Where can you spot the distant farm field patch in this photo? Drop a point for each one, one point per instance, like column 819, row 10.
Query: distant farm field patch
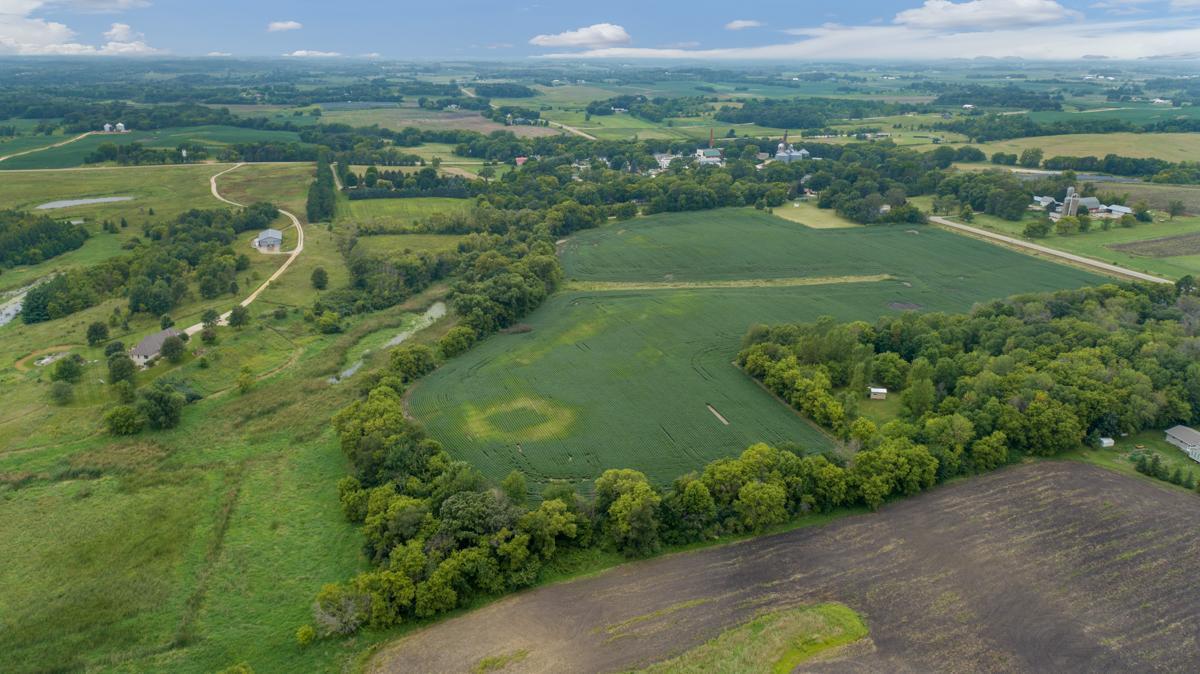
column 73, row 154
column 401, row 116
column 626, row 366
column 1168, row 146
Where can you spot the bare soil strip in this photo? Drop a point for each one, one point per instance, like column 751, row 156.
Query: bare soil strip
column 1049, row 566
column 717, row 414
column 618, row 286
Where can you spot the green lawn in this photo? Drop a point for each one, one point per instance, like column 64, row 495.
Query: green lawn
column 625, row 377
column 807, row 213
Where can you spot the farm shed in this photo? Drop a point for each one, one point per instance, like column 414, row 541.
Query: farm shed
column 1185, row 438
column 1107, row 442
column 269, row 239
column 150, row 347
column 878, row 393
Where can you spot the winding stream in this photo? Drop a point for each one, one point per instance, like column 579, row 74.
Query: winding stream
column 431, row 315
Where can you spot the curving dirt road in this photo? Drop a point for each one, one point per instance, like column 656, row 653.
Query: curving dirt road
column 194, row 329
column 46, row 147
column 1104, row 267
column 1043, row 567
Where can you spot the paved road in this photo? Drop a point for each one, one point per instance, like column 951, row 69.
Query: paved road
column 47, row 147
column 1078, row 259
column 192, row 330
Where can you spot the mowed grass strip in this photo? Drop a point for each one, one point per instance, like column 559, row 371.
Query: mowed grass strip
column 776, row 642
column 610, row 286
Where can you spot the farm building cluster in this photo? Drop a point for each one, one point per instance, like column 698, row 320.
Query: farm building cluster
column 119, row 127
column 1073, row 204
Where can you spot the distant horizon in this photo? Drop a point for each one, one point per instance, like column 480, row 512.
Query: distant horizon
column 770, row 31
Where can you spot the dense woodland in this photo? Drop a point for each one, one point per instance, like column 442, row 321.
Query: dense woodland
column 1033, row 374
column 29, row 239
column 809, row 113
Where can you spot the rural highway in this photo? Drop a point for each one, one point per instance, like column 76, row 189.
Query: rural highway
column 192, row 330
column 47, row 147
column 1071, row 257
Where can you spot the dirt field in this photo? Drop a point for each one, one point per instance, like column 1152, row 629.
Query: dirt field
column 1168, row 246
column 1061, row 567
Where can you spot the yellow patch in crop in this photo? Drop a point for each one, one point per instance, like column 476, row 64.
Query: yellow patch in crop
column 522, row 419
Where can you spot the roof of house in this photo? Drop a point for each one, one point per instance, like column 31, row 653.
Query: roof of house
column 1117, row 208
column 878, row 389
column 1090, row 202
column 710, row 152
column 152, row 344
column 1185, row 434
column 271, row 234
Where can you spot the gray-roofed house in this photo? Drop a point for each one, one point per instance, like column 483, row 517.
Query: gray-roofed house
column 149, row 348
column 1185, row 438
column 269, row 239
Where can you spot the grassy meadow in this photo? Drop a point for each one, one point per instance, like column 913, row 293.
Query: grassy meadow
column 612, row 376
column 395, row 212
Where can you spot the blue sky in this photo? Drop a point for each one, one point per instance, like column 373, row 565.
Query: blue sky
column 651, row 29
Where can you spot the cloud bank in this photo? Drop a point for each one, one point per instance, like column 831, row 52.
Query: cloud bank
column 943, row 29
column 23, row 32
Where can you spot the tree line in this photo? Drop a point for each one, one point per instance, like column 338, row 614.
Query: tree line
column 26, row 238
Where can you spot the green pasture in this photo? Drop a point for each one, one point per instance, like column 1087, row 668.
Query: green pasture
column 625, row 377
column 396, row 212
column 167, row 190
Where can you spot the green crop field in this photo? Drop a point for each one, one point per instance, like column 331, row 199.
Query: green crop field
column 72, row 154
column 1135, row 113
column 621, row 373
column 1168, row 146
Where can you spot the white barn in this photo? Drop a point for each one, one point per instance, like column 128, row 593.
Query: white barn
column 1185, row 438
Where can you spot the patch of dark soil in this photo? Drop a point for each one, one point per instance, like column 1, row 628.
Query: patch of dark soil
column 1046, row 567
column 1167, row 246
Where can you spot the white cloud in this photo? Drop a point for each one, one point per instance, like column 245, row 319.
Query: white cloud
column 983, row 14
column 596, row 35
column 218, row 53
column 312, row 53
column 742, row 24
column 280, row 26
column 371, row 55
column 122, row 32
column 1161, row 38
column 24, row 33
